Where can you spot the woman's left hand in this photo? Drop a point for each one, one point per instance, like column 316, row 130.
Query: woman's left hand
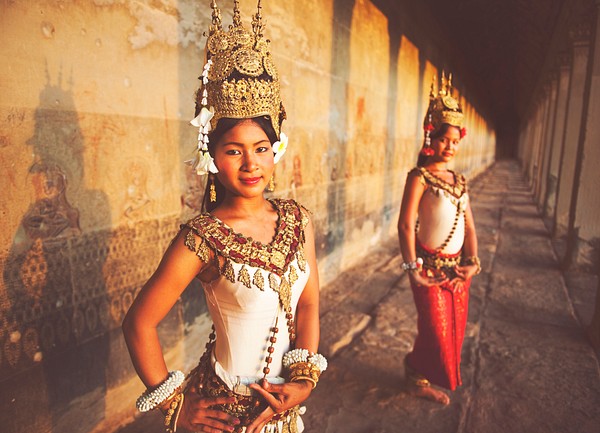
column 280, row 398
column 463, row 273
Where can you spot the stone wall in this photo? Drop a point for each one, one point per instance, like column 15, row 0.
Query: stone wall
column 95, row 99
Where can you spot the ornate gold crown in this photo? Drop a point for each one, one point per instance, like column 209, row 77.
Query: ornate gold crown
column 240, row 79
column 443, row 108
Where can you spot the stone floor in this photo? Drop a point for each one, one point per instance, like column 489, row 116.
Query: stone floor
column 527, row 366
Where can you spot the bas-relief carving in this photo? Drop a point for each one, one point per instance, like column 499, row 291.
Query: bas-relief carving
column 51, row 215
column 137, row 198
column 191, row 199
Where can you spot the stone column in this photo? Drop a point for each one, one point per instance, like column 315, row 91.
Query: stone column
column 580, row 36
column 525, row 137
column 547, row 141
column 583, row 244
column 562, row 97
column 542, row 126
column 593, row 330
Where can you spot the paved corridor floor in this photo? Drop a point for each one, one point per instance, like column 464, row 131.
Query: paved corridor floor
column 527, row 366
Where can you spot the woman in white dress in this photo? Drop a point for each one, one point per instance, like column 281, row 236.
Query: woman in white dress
column 255, row 258
column 439, row 246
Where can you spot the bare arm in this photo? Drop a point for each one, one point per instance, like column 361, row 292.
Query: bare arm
column 413, row 191
column 307, row 313
column 464, row 272
column 470, row 245
column 178, row 267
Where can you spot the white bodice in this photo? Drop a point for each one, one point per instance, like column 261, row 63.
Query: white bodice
column 243, row 319
column 442, row 212
column 437, row 213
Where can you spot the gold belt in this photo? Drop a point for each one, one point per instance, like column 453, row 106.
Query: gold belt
column 433, row 260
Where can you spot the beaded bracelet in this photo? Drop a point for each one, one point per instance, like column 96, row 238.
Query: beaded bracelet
column 472, row 260
column 303, row 355
column 151, row 399
column 415, row 265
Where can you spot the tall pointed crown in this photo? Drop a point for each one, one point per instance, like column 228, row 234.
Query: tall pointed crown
column 443, row 108
column 240, row 79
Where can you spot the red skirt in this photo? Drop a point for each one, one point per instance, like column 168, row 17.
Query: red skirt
column 442, row 318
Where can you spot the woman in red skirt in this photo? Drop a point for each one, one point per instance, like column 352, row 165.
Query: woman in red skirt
column 439, row 247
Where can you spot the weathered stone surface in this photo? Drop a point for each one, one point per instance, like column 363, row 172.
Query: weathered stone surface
column 336, row 337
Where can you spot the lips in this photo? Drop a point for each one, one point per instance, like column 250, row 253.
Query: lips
column 250, row 180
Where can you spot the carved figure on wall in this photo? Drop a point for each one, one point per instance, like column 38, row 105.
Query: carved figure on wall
column 137, row 198
column 51, row 214
column 191, row 199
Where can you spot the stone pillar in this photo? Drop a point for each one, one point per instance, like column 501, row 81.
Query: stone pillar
column 547, row 141
column 583, row 244
column 562, row 97
column 593, row 330
column 538, row 151
column 526, row 139
column 580, row 36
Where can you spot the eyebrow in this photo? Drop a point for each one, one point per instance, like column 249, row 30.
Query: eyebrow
column 235, row 143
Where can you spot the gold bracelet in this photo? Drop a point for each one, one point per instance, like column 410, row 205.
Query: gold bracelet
column 173, row 413
column 308, row 378
column 304, row 369
column 473, row 260
column 164, row 406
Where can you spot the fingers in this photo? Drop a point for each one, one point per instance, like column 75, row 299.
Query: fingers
column 260, row 421
column 457, row 285
column 198, row 415
column 436, row 281
column 465, row 272
column 208, row 402
column 264, row 392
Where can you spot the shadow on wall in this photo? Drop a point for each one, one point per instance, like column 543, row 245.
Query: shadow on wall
column 54, row 306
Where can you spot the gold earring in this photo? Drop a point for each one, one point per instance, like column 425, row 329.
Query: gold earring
column 271, row 186
column 213, row 190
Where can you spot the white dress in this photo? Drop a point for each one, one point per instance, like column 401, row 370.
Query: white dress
column 259, row 284
column 441, row 213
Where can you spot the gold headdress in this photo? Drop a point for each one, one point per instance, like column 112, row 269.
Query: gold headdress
column 239, row 79
column 443, row 108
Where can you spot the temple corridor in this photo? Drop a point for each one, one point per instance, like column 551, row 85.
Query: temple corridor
column 96, row 99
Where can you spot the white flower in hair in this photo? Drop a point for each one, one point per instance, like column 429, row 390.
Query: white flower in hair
column 279, row 147
column 212, row 167
column 202, row 163
column 202, row 120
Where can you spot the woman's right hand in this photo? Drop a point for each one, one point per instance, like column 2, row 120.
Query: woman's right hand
column 423, row 280
column 197, row 414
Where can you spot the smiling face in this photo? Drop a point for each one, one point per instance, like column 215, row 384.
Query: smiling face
column 244, row 157
column 445, row 146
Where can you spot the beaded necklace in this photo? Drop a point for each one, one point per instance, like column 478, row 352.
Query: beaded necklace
column 457, row 191
column 275, row 258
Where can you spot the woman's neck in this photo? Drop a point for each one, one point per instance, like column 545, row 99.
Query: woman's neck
column 436, row 166
column 244, row 206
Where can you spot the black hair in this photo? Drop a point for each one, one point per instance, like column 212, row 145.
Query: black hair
column 422, row 159
column 224, row 125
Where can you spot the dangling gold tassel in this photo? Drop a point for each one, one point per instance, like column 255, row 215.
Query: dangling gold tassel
column 213, row 190
column 271, row 186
